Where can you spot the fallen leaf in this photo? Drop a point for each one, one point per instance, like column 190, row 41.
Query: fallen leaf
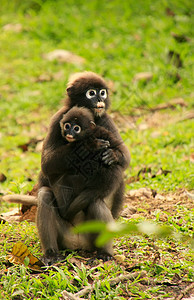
column 171, row 104
column 2, row 177
column 169, row 12
column 175, row 59
column 142, row 192
column 128, row 211
column 39, row 146
column 44, row 78
column 144, row 76
column 32, row 142
column 11, row 216
column 64, row 56
column 120, row 258
column 20, row 255
column 187, row 116
column 13, row 27
column 180, row 38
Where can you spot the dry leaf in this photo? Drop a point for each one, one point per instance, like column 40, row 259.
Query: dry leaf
column 144, row 76
column 120, row 258
column 128, row 211
column 13, row 27
column 39, row 146
column 175, row 59
column 11, row 216
column 169, row 12
column 20, row 254
column 44, row 78
column 64, row 56
column 2, row 177
column 171, row 104
column 180, row 38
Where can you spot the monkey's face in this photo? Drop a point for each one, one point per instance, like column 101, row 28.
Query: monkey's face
column 76, row 124
column 89, row 90
column 71, row 131
column 97, row 98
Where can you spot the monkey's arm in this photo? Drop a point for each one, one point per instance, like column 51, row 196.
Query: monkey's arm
column 55, row 161
column 117, row 152
column 54, row 148
column 120, row 154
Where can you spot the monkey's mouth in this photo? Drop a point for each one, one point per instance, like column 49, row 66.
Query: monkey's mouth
column 69, row 138
column 99, row 110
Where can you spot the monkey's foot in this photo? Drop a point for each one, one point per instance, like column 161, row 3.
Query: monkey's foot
column 104, row 256
column 52, row 257
column 100, row 255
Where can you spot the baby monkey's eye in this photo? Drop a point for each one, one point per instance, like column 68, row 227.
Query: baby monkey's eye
column 90, row 93
column 67, row 126
column 77, row 128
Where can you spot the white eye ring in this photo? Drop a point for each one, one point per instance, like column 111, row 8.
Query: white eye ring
column 103, row 94
column 77, row 128
column 90, row 93
column 67, row 126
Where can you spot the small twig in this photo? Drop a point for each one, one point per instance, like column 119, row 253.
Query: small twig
column 85, row 291
column 69, row 296
column 185, row 291
column 123, row 278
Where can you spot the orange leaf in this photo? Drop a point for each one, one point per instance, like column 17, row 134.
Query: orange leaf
column 20, row 254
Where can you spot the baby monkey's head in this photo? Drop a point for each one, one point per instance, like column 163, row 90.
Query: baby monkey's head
column 76, row 123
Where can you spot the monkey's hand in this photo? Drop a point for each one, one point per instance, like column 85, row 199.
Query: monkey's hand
column 102, row 144
column 110, row 156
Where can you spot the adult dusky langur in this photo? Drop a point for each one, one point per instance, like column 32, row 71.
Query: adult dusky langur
column 88, row 90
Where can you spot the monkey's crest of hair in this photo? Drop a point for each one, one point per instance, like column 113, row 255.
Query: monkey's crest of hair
column 79, row 84
column 78, row 113
column 86, row 77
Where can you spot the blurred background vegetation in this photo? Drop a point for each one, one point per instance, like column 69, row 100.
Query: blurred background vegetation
column 117, row 39
column 120, row 40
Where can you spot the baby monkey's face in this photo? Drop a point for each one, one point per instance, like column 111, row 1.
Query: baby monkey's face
column 76, row 124
column 71, row 131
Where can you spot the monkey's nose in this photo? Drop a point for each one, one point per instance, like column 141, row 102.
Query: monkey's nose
column 100, row 104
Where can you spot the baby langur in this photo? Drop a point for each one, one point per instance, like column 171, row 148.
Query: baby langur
column 82, row 188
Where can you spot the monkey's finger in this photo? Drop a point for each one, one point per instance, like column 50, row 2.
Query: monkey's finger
column 106, row 157
column 107, row 152
column 111, row 162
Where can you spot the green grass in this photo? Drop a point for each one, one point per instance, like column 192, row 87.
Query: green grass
column 118, row 39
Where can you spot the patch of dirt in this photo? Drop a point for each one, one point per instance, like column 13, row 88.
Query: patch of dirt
column 147, row 203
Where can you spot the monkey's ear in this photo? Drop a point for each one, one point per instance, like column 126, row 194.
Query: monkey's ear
column 92, row 125
column 69, row 89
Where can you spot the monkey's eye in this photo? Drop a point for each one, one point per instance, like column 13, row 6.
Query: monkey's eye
column 103, row 94
column 90, row 93
column 67, row 126
column 77, row 128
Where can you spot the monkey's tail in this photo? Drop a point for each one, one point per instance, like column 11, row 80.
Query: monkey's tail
column 22, row 199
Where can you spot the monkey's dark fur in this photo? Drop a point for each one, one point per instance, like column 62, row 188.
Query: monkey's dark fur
column 89, row 199
column 82, row 163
